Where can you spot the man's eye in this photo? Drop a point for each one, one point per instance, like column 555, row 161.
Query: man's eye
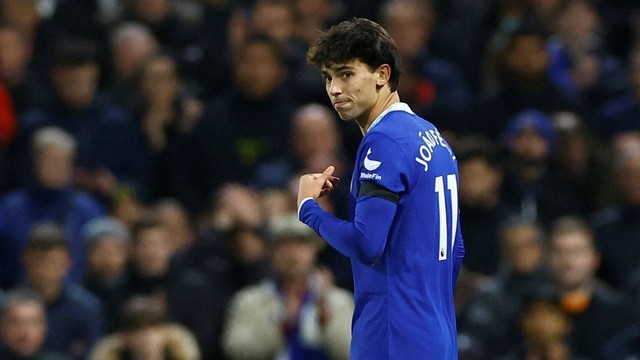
column 346, row 75
column 327, row 79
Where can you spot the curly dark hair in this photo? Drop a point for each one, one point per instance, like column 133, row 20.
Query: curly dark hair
column 360, row 39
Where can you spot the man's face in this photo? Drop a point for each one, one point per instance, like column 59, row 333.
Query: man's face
column 15, row 54
column 47, row 267
column 529, row 145
column 522, row 249
column 572, row 259
column 152, row 251
column 23, row 327
column 528, row 57
column 275, row 20
column 76, row 85
column 293, row 259
column 410, row 28
column 479, row 182
column 258, row 71
column 108, row 257
column 54, row 167
column 352, row 88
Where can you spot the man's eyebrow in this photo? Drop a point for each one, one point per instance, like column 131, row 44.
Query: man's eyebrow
column 325, row 71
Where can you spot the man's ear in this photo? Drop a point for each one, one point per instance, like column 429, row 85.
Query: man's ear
column 383, row 73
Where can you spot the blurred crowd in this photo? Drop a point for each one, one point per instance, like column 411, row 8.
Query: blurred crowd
column 150, row 151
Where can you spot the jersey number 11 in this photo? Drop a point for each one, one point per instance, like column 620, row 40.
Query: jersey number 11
column 444, row 211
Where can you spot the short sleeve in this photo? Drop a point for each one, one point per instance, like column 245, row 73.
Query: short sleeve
column 382, row 162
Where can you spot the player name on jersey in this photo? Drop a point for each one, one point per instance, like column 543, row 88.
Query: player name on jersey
column 431, row 138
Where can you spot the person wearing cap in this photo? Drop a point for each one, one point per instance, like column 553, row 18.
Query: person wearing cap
column 297, row 313
column 107, row 241
column 530, row 186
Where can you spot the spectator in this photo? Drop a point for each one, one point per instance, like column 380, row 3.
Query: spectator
column 16, row 72
column 488, row 326
column 23, row 326
column 250, row 125
column 621, row 114
column 50, row 196
column 191, row 297
column 175, row 34
column 315, row 143
column 130, row 45
column 596, row 312
column 472, row 20
column 109, row 149
column 617, row 229
column 530, row 186
column 481, row 206
column 151, row 253
column 298, row 313
column 522, row 67
column 580, row 63
column 166, row 114
column 232, row 235
column 279, row 21
column 175, row 218
column 75, row 318
column 107, row 241
column 25, row 16
column 315, row 16
column 231, row 250
column 146, row 333
column 545, row 327
column 21, row 14
column 584, row 161
column 432, row 86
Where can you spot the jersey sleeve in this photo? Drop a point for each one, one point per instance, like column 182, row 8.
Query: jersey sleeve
column 459, row 252
column 363, row 239
column 383, row 163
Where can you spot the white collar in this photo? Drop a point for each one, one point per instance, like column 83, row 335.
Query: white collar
column 399, row 106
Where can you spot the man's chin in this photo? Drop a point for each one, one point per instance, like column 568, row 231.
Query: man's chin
column 344, row 116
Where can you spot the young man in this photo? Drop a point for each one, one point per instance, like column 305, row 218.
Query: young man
column 404, row 236
column 23, row 327
column 75, row 318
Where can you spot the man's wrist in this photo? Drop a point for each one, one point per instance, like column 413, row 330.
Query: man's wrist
column 302, row 203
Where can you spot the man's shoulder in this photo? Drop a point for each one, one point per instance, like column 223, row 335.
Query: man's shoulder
column 81, row 299
column 87, row 203
column 13, row 200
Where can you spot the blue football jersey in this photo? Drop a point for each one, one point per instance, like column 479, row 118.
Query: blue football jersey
column 404, row 300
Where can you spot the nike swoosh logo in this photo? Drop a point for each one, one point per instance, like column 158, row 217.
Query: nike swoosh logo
column 371, row 164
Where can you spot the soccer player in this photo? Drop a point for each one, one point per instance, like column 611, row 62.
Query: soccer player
column 403, row 236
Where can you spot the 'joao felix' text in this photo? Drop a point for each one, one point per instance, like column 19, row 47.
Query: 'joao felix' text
column 431, row 139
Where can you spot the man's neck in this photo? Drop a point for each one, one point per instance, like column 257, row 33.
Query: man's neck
column 385, row 100
column 50, row 293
